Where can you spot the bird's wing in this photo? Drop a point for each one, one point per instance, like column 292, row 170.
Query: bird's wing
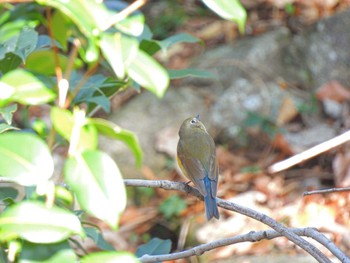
column 213, row 174
column 194, row 170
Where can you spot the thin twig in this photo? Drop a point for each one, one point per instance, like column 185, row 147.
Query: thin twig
column 123, row 14
column 71, row 59
column 327, row 191
column 309, row 153
column 58, row 69
column 252, row 236
column 168, row 185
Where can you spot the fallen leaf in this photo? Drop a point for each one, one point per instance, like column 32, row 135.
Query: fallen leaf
column 333, row 90
column 288, row 111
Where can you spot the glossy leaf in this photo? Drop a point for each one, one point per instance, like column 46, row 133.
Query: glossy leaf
column 152, row 46
column 131, row 25
column 97, row 91
column 230, row 10
column 119, row 51
column 43, row 61
column 190, row 72
column 63, row 122
column 97, row 237
column 97, row 183
column 7, row 112
column 110, row 257
column 155, row 246
column 24, row 158
column 147, row 72
column 47, row 253
column 179, row 38
column 34, row 222
column 5, row 127
column 8, row 192
column 9, row 62
column 111, row 130
column 19, row 38
column 60, row 28
column 23, row 87
column 88, row 15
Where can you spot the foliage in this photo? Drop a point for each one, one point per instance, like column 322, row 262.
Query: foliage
column 71, row 57
column 172, row 206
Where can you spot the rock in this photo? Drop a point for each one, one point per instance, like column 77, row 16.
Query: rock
column 324, row 50
column 149, row 118
column 309, row 137
column 254, row 74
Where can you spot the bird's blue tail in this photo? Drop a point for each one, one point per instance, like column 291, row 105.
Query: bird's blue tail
column 211, row 208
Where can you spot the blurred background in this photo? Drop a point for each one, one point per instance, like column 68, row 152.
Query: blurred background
column 275, row 91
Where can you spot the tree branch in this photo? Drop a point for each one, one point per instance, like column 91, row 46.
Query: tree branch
column 279, row 228
column 249, row 237
column 309, row 153
column 327, row 191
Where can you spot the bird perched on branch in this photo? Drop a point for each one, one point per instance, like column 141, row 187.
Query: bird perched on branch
column 197, row 159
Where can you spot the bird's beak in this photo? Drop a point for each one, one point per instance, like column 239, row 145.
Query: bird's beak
column 197, row 117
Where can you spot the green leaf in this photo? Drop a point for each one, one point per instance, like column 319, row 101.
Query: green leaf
column 24, row 159
column 9, row 62
column 119, row 50
column 151, row 46
column 5, row 127
column 97, row 91
column 179, row 38
column 90, row 53
column 95, row 179
column 47, row 253
column 230, row 10
column 172, row 206
column 190, row 72
column 109, row 257
column 43, row 61
column 8, row 192
column 34, row 222
column 63, row 122
column 88, row 15
column 19, row 38
column 7, row 112
column 64, row 196
column 60, row 28
column 111, row 130
column 23, row 87
column 147, row 72
column 132, row 25
column 155, row 246
column 97, row 237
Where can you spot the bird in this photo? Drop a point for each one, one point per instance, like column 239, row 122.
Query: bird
column 196, row 157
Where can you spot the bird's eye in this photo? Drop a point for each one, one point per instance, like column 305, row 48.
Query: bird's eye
column 193, row 121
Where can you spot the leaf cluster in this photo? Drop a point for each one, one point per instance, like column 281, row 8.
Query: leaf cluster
column 70, row 58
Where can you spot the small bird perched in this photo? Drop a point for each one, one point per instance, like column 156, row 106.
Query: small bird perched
column 197, row 159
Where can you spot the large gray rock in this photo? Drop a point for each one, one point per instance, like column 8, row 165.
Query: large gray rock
column 254, row 74
column 323, row 50
column 150, row 118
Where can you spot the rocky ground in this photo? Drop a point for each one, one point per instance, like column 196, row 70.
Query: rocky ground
column 274, row 95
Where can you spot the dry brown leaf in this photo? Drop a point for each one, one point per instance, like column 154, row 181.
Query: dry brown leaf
column 288, row 111
column 333, row 90
column 280, row 143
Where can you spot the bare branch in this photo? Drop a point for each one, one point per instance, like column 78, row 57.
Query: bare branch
column 124, row 13
column 327, row 191
column 279, row 228
column 309, row 153
column 249, row 237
